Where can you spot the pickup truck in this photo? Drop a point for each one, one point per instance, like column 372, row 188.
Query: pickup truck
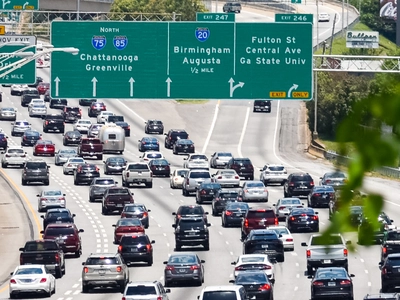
column 53, row 122
column 390, row 243
column 326, row 252
column 91, row 147
column 115, row 198
column 44, row 252
column 137, row 172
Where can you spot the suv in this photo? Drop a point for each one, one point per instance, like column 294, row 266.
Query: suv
column 53, row 122
column 242, row 166
column 154, row 126
column 258, row 218
column 232, row 7
column 152, row 290
column 191, row 232
column 273, row 173
column 298, row 184
column 71, row 113
column 95, row 109
column 231, row 292
column 136, row 247
column 390, row 272
column 67, row 236
column 264, row 241
column 96, row 266
column 85, row 173
column 222, row 198
column 98, row 187
column 190, row 211
column 173, row 135
column 58, row 103
column 14, row 155
column 28, row 95
column 34, row 171
column 383, row 296
column 19, row 127
column 193, row 179
column 262, row 105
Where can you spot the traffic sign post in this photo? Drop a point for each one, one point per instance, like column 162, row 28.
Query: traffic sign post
column 20, row 4
column 189, row 60
column 295, row 18
column 215, row 17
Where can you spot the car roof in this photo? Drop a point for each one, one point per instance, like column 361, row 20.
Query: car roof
column 61, row 225
column 100, row 255
column 58, row 210
column 222, row 288
column 262, row 231
column 149, row 283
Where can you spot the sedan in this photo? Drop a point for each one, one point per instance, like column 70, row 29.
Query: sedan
column 284, row 206
column 323, row 17
column 114, row 165
column 222, row 198
column 72, row 138
column 30, row 137
column 82, row 125
column 184, row 267
column 8, row 113
column 190, row 211
column 3, row 141
column 254, row 191
column 183, row 146
column 71, row 164
column 160, row 167
column 284, row 235
column 17, row 89
column 220, row 159
column 303, row 219
column 227, row 177
column 320, row 196
column 148, row 143
column 44, row 147
column 37, row 110
column 177, row 177
column 63, row 155
column 125, row 126
column 19, row 127
column 126, row 226
column 57, row 215
column 196, row 161
column 332, row 282
column 256, row 284
column 50, row 199
column 103, row 116
column 206, row 191
column 261, row 262
column 31, row 279
column 336, row 179
column 233, row 214
column 138, row 211
column 43, row 87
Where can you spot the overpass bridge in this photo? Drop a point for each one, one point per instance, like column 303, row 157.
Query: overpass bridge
column 71, row 5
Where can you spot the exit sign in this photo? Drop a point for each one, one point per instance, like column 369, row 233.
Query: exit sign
column 294, row 18
column 215, row 17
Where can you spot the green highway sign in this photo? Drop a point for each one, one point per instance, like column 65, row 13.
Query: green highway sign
column 294, row 18
column 20, row 4
column 215, row 17
column 25, row 74
column 182, row 60
column 296, row 1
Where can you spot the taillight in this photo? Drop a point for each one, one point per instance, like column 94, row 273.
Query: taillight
column 194, row 267
column 281, row 207
column 203, row 192
column 246, row 191
column 264, row 287
column 228, row 213
column 345, row 282
column 239, row 268
column 345, row 252
column 8, row 155
column 318, row 283
column 314, row 218
column 127, row 174
column 292, row 218
column 246, row 223
column 43, row 280
column 289, row 240
column 266, row 267
column 85, row 269
column 308, row 253
column 187, row 180
column 128, row 127
column 384, row 271
column 159, row 298
column 317, row 194
column 169, row 268
column 144, row 143
column 384, row 250
column 148, row 247
column 145, row 214
column 237, row 177
column 312, row 183
column 13, row 281
column 119, row 269
column 217, row 198
column 276, row 221
column 47, row 123
column 120, row 249
column 219, row 177
column 57, row 257
column 291, row 184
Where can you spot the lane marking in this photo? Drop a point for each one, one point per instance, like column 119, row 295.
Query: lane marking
column 246, row 120
column 128, row 108
column 211, row 127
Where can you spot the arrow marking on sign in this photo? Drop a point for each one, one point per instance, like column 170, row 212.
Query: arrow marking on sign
column 294, row 87
column 26, row 3
column 168, row 81
column 5, row 3
column 57, row 81
column 232, row 87
column 131, row 81
column 94, row 80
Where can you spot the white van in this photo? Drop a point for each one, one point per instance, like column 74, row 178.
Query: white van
column 113, row 138
column 223, row 292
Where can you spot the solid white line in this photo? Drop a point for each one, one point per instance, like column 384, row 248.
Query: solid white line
column 211, row 128
column 246, row 120
column 122, row 103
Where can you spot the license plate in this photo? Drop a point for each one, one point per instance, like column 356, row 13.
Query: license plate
column 261, row 223
column 303, row 219
column 102, row 272
column 59, row 222
column 264, row 246
column 192, row 233
column 211, row 192
column 331, row 283
column 327, row 261
column 119, row 205
column 238, row 215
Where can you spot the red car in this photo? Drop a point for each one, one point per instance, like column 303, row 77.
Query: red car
column 44, row 147
column 43, row 87
column 127, row 226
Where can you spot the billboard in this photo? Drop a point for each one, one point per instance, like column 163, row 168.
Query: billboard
column 362, row 39
column 388, row 10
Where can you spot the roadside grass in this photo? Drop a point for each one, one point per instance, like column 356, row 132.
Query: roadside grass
column 194, row 101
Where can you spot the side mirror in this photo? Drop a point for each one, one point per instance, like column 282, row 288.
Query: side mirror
column 11, row 273
column 174, row 213
column 37, row 195
column 116, row 182
column 64, row 195
column 153, row 241
column 149, row 210
column 274, row 204
column 208, row 224
column 352, row 275
column 261, row 170
column 309, row 276
column 138, row 141
column 380, row 263
column 280, row 235
column 167, row 290
column 320, row 178
column 231, row 281
column 348, row 242
column 165, row 262
column 206, row 213
column 185, row 158
column 304, row 244
column 316, row 212
column 73, row 215
column 81, row 230
column 104, row 162
column 174, row 225
column 202, row 261
column 42, row 216
column 183, row 176
column 165, row 134
column 83, row 263
column 233, row 263
column 21, row 249
column 48, row 167
column 113, row 225
column 2, row 152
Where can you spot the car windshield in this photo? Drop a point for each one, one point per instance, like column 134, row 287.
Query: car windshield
column 67, row 151
column 191, row 223
column 393, row 235
column 92, row 141
column 32, row 133
column 237, row 205
column 40, row 246
column 134, row 240
column 229, row 195
column 200, row 175
column 182, row 259
column 84, row 122
column 224, row 154
column 138, row 167
column 21, row 123
column 308, row 211
column 52, row 193
column 264, row 236
column 327, row 274
column 154, row 122
column 254, row 184
column 36, row 165
column 116, row 159
column 210, row 186
column 252, row 259
column 160, row 162
column 39, row 106
column 129, row 222
column 291, row 202
column 102, row 261
column 118, row 192
column 15, row 151
column 56, row 231
column 282, row 230
column 302, row 178
column 142, row 290
column 185, row 142
column 56, row 215
column 8, row 109
column 136, row 208
column 336, row 175
column 276, row 168
column 181, row 172
column 28, row 271
column 227, row 172
column 191, row 210
column 331, row 240
column 251, row 277
column 102, row 181
column 154, row 155
column 220, row 295
column 202, row 157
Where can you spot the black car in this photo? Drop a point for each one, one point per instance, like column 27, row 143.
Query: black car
column 365, row 228
column 86, row 102
column 332, row 282
column 53, row 122
column 191, row 232
column 233, row 214
column 173, row 135
column 256, row 284
column 183, row 146
column 148, row 143
column 71, row 113
column 222, row 198
column 58, row 103
column 302, row 219
column 125, row 126
column 356, row 213
column 72, row 138
column 30, row 137
column 95, row 109
column 114, row 165
column 264, row 241
column 160, row 167
column 84, row 173
column 136, row 247
column 298, row 184
column 390, row 243
column 243, row 167
column 206, row 191
column 4, row 141
column 382, row 296
column 190, row 211
column 47, row 97
column 154, row 126
column 262, row 106
column 137, row 210
column 57, row 215
column 320, row 196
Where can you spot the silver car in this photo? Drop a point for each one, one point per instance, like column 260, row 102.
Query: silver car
column 94, row 130
column 63, row 155
column 193, row 179
column 336, row 179
column 273, row 173
column 227, row 177
column 37, row 110
column 220, row 159
column 285, row 205
column 17, row 89
column 196, row 161
column 254, row 191
column 8, row 113
column 15, row 155
column 19, row 127
column 98, row 187
column 71, row 164
column 50, row 199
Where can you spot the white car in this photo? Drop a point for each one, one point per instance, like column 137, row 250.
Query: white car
column 17, row 89
column 227, row 177
column 37, row 110
column 258, row 262
column 196, row 161
column 31, row 279
column 36, row 101
column 149, row 155
column 71, row 164
column 273, row 173
column 323, row 17
column 15, row 155
column 82, row 125
column 103, row 116
column 176, row 178
column 284, row 235
column 50, row 199
column 220, row 159
column 285, row 205
column 254, row 191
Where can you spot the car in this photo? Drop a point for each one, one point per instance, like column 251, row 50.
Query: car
column 323, row 17
column 258, row 218
column 44, row 147
column 125, row 126
column 148, row 143
column 114, row 119
column 51, row 199
column 232, row 292
column 254, row 191
column 98, row 187
column 62, row 156
column 303, row 219
column 3, row 141
column 183, row 146
column 206, row 191
column 284, row 235
column 37, row 110
column 176, row 178
column 242, row 166
column 8, row 113
column 137, row 289
column 94, row 130
column 14, row 155
column 30, row 137
column 390, row 243
column 183, row 268
column 320, row 196
column 149, row 155
column 127, row 226
column 57, row 215
column 284, row 206
column 35, row 101
column 189, row 211
column 191, row 231
column 220, row 159
column 336, row 179
column 58, row 103
column 36, row 83
column 103, row 116
column 382, row 296
column 43, row 87
column 262, row 106
column 85, row 173
column 233, row 214
column 31, row 279
column 160, row 167
column 72, row 113
column 53, row 122
column 27, row 95
column 227, row 177
column 355, row 216
column 96, row 108
column 19, row 127
column 93, row 272
column 390, row 273
column 273, row 173
column 193, row 179
column 47, row 97
column 173, row 135
column 332, row 282
column 254, row 262
column 114, row 165
column 68, row 236
column 82, row 125
column 136, row 247
column 86, row 102
column 35, row 171
column 232, row 7
column 196, row 161
column 298, row 184
column 264, row 241
column 222, row 198
column 73, row 137
column 17, row 89
column 154, row 126
column 137, row 210
column 115, row 198
column 256, row 283
column 364, row 229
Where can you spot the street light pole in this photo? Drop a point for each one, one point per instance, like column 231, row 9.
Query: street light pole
column 78, row 7
column 342, row 17
column 315, row 133
column 317, row 25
